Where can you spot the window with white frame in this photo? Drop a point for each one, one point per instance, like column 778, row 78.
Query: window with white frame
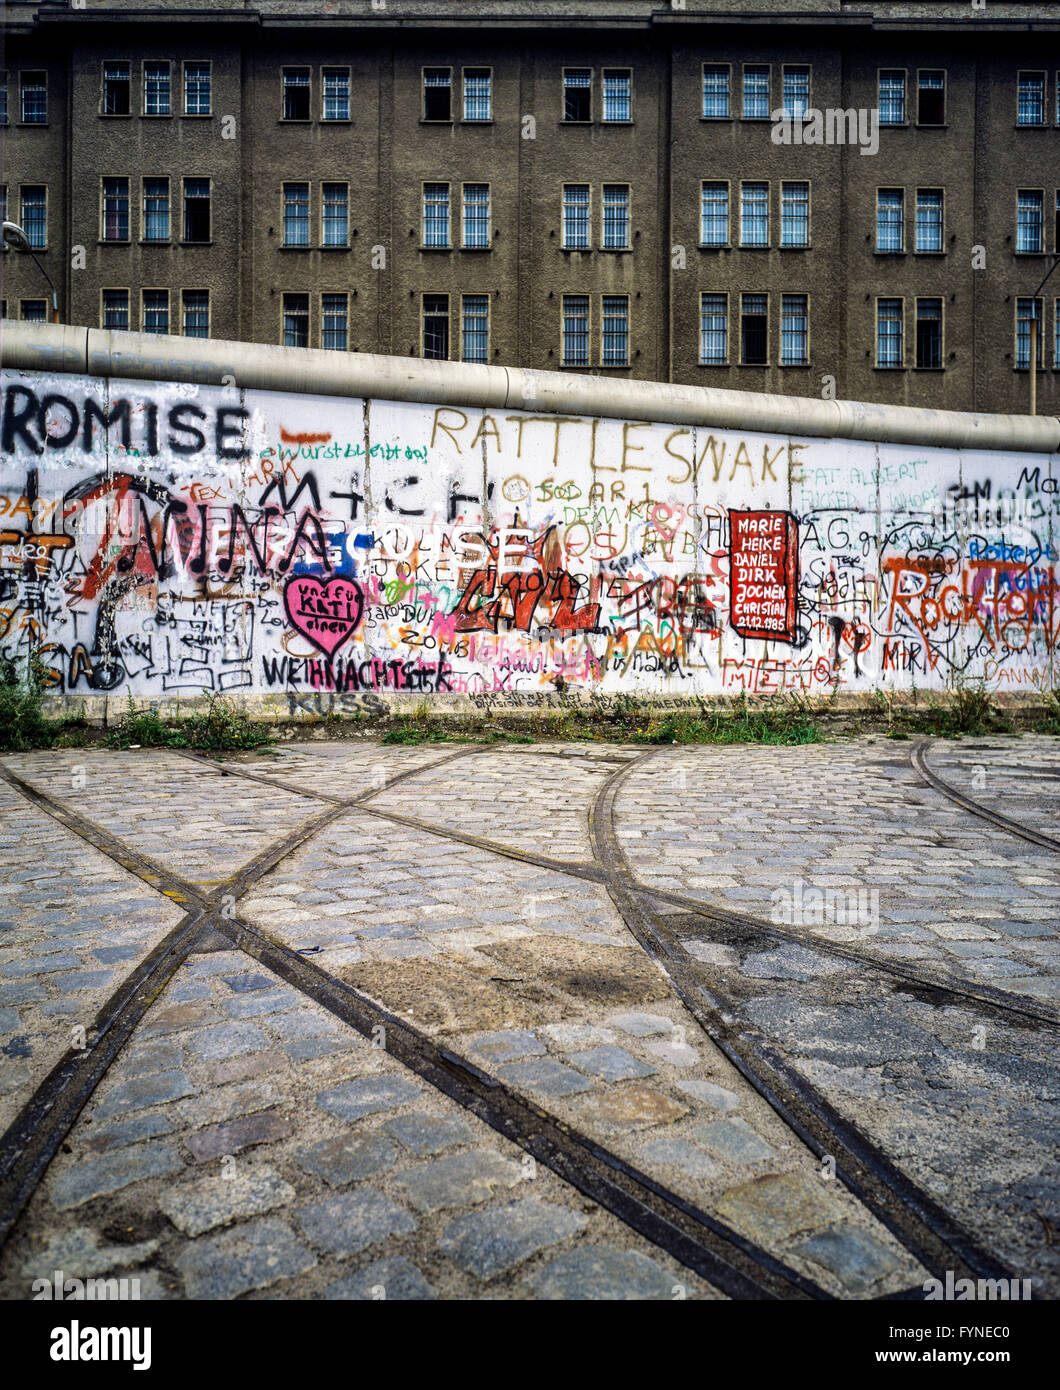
column 478, row 94
column 890, row 219
column 796, row 100
column 578, row 94
column 296, row 320
column 794, row 330
column 1027, row 310
column 474, row 327
column 336, row 209
column 117, row 96
column 618, row 94
column 115, row 309
column 575, row 330
column 714, row 215
column 296, row 94
column 1029, row 219
column 34, row 214
column 929, row 219
column 197, row 95
column 614, row 336
column 336, row 93
column 794, row 214
column 756, row 92
column 616, row 216
column 437, row 94
column 929, row 334
column 713, row 330
column 334, row 322
column 436, row 215
column 196, row 313
column 1030, row 101
column 296, row 214
column 33, row 93
column 156, row 209
column 754, row 214
column 576, row 231
column 157, row 95
column 890, row 98
column 889, row 347
column 116, row 209
column 436, row 327
column 154, row 317
column 476, row 216
column 715, row 92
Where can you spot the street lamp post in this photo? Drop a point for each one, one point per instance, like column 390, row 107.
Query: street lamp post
column 1034, row 336
column 15, row 239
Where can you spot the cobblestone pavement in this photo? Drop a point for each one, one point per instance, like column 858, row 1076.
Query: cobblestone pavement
column 202, row 1063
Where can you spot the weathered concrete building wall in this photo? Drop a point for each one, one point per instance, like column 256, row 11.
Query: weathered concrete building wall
column 170, row 539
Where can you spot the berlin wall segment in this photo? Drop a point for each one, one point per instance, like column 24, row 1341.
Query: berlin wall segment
column 163, row 540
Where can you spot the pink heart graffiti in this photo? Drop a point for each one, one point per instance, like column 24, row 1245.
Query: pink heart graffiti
column 326, row 612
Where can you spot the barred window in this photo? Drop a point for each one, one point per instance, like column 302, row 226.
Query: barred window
column 474, row 328
column 156, row 89
column 34, row 98
column 334, row 315
column 296, row 94
column 34, row 214
column 713, row 330
column 336, row 94
column 756, row 93
column 34, row 311
column 615, row 331
column 794, row 214
column 618, row 95
column 889, row 352
column 196, row 305
column 296, row 320
column 929, row 219
column 1030, row 105
column 794, row 330
column 754, row 320
column 336, row 214
column 197, row 92
column 891, row 98
column 616, row 216
column 476, row 215
column 576, row 216
column 478, row 95
column 115, row 209
column 577, row 94
column 890, row 219
column 296, row 214
column 754, row 214
column 714, row 215
column 575, row 330
column 115, row 309
column 931, row 97
column 929, row 333
column 436, row 214
column 796, row 91
column 117, row 87
column 437, row 94
column 715, row 92
column 155, row 317
column 156, row 209
column 196, row 209
column 436, row 327
column 1026, row 310
column 1029, row 216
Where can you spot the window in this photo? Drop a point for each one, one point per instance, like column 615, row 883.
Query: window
column 756, row 93
column 334, row 322
column 931, row 97
column 437, row 94
column 156, row 210
column 3, row 107
column 715, row 92
column 296, row 94
column 754, row 214
column 117, row 89
column 576, row 216
column 154, row 317
column 196, row 209
column 796, row 91
column 891, row 97
column 1030, row 102
column 1056, row 225
column 929, row 333
column 890, row 219
column 889, row 333
column 618, row 95
column 336, row 94
column 577, row 94
column 929, row 219
column 1029, row 221
column 614, row 342
column 794, row 330
column 296, row 214
column 196, row 313
column 34, row 98
column 575, row 330
column 296, row 320
column 476, row 216
column 1056, row 333
column 1026, row 310
column 713, row 330
column 115, row 209
column 754, row 320
column 197, row 94
column 436, row 215
column 794, row 214
column 156, row 89
column 34, row 214
column 115, row 309
column 3, row 202
column 714, row 215
column 436, row 327
column 616, row 217
column 475, row 328
column 34, row 311
column 478, row 96
column 336, row 202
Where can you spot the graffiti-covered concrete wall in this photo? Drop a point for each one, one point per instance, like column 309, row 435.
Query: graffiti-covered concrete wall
column 166, row 540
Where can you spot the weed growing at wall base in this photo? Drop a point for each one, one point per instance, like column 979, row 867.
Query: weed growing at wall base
column 220, row 728
column 22, row 724
column 788, row 723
